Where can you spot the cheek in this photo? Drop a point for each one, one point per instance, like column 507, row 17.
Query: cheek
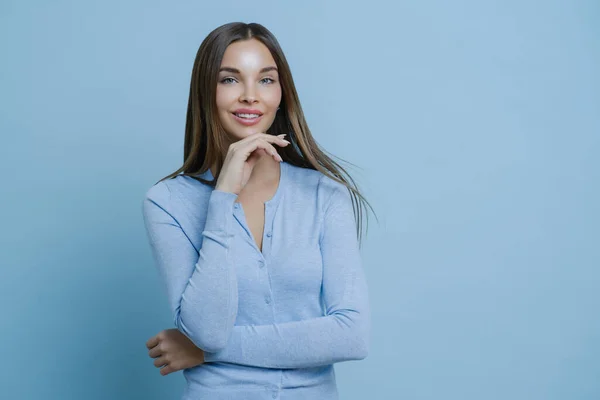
column 224, row 99
column 273, row 97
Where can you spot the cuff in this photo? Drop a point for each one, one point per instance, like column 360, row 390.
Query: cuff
column 220, row 211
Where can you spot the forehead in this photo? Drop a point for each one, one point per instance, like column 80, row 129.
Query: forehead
column 247, row 56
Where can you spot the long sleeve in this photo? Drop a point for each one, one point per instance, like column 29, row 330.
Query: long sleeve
column 342, row 334
column 201, row 285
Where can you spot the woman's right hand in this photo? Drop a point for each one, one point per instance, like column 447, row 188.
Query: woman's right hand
column 239, row 160
column 173, row 351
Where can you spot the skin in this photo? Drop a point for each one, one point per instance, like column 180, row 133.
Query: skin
column 248, row 88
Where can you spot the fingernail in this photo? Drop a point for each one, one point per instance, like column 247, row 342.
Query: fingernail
column 282, row 135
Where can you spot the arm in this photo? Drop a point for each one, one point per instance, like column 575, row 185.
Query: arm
column 201, row 285
column 342, row 334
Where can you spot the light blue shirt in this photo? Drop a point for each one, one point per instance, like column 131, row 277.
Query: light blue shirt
column 271, row 323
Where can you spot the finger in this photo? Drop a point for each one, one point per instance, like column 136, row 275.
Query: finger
column 153, row 341
column 247, row 146
column 166, row 370
column 265, row 145
column 278, row 139
column 259, row 143
column 155, row 352
column 160, row 361
column 269, row 148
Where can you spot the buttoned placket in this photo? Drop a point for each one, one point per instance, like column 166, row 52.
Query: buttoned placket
column 263, row 256
column 266, row 245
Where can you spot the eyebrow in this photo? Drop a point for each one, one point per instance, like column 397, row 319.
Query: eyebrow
column 237, row 71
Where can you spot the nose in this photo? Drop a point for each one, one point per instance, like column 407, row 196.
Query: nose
column 248, row 95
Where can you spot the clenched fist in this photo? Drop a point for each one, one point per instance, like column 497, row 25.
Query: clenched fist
column 173, row 351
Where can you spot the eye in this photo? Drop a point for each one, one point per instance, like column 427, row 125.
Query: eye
column 272, row 80
column 226, row 79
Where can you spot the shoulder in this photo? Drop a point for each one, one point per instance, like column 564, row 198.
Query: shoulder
column 301, row 176
column 316, row 186
column 159, row 193
column 180, row 185
column 330, row 187
column 175, row 195
column 333, row 192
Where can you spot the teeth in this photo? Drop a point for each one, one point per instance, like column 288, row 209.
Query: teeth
column 248, row 115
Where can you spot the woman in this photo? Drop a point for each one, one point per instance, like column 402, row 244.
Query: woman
column 255, row 236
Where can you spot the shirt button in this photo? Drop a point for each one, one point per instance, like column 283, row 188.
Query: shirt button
column 261, row 263
column 274, row 395
column 269, row 234
column 237, row 205
column 267, row 300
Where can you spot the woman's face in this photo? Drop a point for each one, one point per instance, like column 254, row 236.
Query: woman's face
column 248, row 89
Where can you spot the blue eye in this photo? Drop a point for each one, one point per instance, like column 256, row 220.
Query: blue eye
column 228, row 79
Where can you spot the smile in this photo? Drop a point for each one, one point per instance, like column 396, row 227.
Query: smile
column 247, row 119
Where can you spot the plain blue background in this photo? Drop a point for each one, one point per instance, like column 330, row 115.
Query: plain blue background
column 475, row 126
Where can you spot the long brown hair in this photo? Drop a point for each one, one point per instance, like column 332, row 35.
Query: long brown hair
column 205, row 138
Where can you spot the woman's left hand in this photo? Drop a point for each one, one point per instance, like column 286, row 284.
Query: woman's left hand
column 173, row 351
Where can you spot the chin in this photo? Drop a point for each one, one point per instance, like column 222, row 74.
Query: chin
column 240, row 132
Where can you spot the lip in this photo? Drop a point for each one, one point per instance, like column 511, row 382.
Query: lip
column 247, row 121
column 248, row 111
